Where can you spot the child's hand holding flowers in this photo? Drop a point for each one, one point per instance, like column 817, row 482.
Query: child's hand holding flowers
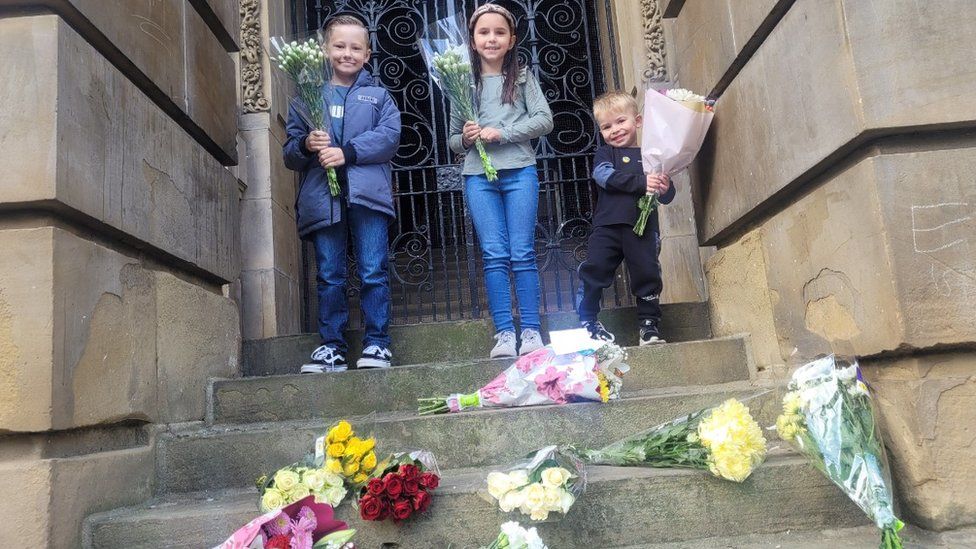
column 658, row 183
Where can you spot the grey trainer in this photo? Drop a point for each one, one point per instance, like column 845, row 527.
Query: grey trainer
column 505, row 347
column 531, row 341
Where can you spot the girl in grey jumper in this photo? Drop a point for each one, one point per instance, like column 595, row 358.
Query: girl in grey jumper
column 512, row 111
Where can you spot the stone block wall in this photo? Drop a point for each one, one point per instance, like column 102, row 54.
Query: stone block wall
column 271, row 275
column 839, row 184
column 119, row 229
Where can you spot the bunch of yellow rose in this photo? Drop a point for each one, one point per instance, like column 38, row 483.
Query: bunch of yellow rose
column 734, row 441
column 347, row 455
column 296, row 482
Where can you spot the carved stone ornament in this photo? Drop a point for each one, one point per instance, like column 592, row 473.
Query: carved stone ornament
column 252, row 73
column 654, row 69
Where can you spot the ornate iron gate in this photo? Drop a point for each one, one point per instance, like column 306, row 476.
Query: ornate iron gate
column 435, row 261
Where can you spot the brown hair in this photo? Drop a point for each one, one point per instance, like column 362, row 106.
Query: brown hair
column 614, row 101
column 340, row 20
column 510, row 65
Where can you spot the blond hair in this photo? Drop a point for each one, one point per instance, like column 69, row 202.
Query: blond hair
column 340, row 20
column 614, row 101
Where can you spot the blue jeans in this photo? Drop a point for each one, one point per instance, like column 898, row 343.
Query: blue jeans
column 369, row 235
column 504, row 215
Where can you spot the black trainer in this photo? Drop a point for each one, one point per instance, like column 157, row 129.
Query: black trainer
column 597, row 331
column 375, row 356
column 649, row 335
column 325, row 359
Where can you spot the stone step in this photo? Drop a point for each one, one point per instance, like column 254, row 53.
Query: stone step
column 291, row 397
column 199, row 457
column 621, row 507
column 463, row 340
column 857, row 537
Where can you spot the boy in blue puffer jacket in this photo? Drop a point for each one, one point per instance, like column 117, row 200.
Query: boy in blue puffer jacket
column 365, row 135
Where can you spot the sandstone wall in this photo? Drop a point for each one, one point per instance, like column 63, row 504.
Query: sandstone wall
column 838, row 183
column 119, row 229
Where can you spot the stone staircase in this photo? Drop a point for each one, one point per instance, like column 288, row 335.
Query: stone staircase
column 205, row 471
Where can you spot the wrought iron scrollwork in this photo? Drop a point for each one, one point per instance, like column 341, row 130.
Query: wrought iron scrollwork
column 434, row 257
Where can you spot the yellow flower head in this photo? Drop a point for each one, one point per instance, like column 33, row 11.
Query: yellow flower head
column 350, row 468
column 369, row 461
column 789, row 426
column 730, row 465
column 604, row 388
column 792, row 403
column 334, row 466
column 734, row 440
column 336, row 450
column 353, row 447
column 360, row 478
column 367, row 445
column 340, row 433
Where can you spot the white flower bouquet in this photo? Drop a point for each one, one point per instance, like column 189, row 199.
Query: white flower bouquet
column 828, row 416
column 549, row 481
column 675, row 124
column 445, row 49
column 514, row 536
column 307, row 66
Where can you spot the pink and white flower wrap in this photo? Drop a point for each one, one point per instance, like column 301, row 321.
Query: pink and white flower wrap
column 544, row 377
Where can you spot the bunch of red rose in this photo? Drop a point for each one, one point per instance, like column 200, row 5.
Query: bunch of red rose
column 398, row 493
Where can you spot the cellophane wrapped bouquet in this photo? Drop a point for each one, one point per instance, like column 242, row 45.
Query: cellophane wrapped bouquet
column 514, row 536
column 401, row 486
column 304, row 62
column 828, row 415
column 445, row 49
column 543, row 377
column 724, row 440
column 548, row 481
column 304, row 524
column 675, row 124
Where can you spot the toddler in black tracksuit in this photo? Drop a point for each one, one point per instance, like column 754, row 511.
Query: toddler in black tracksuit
column 621, row 181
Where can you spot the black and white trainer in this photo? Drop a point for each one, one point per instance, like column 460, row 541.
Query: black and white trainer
column 375, row 356
column 325, row 359
column 597, row 331
column 649, row 334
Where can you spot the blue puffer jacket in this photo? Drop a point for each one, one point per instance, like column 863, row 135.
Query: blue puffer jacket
column 371, row 134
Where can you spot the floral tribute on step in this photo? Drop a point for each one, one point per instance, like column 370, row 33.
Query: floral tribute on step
column 724, row 440
column 543, row 377
column 401, row 487
column 828, row 415
column 548, row 481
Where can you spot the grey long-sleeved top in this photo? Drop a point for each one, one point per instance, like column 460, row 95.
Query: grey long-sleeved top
column 527, row 118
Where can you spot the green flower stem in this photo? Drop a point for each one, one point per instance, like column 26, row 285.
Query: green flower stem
column 890, row 538
column 860, row 455
column 646, row 204
column 670, row 445
column 438, row 405
column 333, row 181
column 501, row 542
column 490, row 172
